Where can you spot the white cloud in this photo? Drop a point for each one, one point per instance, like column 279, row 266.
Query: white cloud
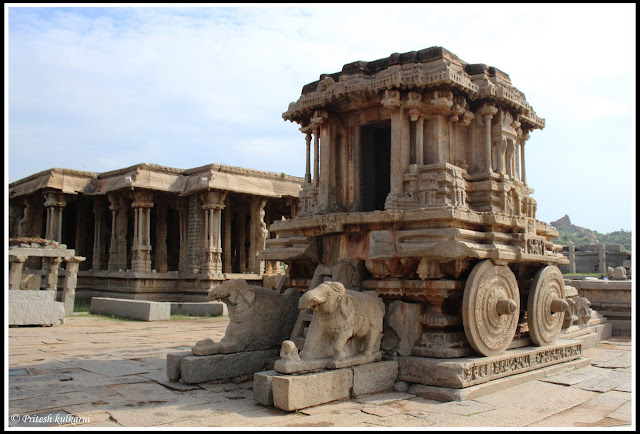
column 189, row 86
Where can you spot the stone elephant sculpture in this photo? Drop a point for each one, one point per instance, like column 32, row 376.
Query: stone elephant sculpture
column 259, row 318
column 345, row 317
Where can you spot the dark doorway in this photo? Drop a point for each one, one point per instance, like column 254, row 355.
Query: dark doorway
column 376, row 165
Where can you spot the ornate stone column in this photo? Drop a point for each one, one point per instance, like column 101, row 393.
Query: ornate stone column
column 70, row 281
column 54, row 203
column 319, row 121
column 572, row 258
column 227, row 266
column 487, row 112
column 257, row 231
column 316, row 156
column 51, row 265
column 415, row 115
column 392, row 101
column 98, row 233
column 15, row 275
column 307, row 173
column 602, row 259
column 182, row 205
column 523, row 177
column 141, row 246
column 242, row 241
column 119, row 222
column 212, row 204
column 161, row 239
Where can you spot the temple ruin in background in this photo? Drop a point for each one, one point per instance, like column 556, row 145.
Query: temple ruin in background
column 155, row 233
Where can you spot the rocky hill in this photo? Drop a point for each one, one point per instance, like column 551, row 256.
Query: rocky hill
column 579, row 235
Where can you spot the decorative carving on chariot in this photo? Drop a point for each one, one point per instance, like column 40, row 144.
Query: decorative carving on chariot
column 491, row 307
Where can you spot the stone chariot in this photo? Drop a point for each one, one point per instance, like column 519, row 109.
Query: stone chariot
column 419, row 186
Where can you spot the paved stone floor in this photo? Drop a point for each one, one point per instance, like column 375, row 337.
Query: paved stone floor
column 98, row 372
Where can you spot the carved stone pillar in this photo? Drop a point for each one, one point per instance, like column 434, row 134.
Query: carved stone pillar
column 161, row 239
column 52, row 266
column 258, row 233
column 182, row 206
column 487, row 112
column 54, row 203
column 70, row 281
column 141, row 245
column 15, row 275
column 517, row 160
column 98, row 233
column 212, row 204
column 572, row 258
column 602, row 259
column 316, row 156
column 227, row 266
column 523, row 177
column 119, row 222
column 500, row 149
column 400, row 128
column 307, row 173
column 242, row 241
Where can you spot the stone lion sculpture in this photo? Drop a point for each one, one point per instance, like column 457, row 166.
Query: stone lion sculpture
column 259, row 318
column 343, row 316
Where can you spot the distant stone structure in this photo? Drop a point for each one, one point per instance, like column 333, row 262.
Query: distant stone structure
column 596, row 258
column 156, row 233
column 33, row 281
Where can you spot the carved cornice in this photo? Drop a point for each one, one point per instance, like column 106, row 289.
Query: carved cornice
column 429, row 68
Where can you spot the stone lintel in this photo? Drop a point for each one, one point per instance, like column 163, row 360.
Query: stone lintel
column 42, row 252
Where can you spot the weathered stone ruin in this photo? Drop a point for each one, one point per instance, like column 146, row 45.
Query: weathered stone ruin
column 419, row 183
column 156, row 233
column 34, row 298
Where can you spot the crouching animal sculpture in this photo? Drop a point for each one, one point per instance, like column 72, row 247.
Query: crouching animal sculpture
column 351, row 320
column 259, row 318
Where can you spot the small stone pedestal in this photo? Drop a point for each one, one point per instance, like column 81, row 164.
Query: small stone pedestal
column 198, row 369
column 293, row 392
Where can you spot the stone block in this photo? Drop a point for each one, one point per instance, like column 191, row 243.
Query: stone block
column 213, row 308
column 300, row 391
column 36, row 313
column 31, row 295
column 263, row 387
column 198, row 369
column 374, row 377
column 173, row 364
column 134, row 309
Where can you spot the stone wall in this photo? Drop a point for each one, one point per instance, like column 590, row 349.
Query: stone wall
column 610, row 298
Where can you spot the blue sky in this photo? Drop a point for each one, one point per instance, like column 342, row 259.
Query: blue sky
column 102, row 88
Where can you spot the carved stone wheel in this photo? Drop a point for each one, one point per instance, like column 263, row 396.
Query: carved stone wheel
column 546, row 305
column 490, row 308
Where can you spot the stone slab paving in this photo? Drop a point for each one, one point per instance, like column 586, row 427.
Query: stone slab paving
column 112, row 373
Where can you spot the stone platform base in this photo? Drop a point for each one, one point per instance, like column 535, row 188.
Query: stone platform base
column 293, row 392
column 134, row 309
column 198, row 369
column 472, row 392
column 469, row 371
column 35, row 307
